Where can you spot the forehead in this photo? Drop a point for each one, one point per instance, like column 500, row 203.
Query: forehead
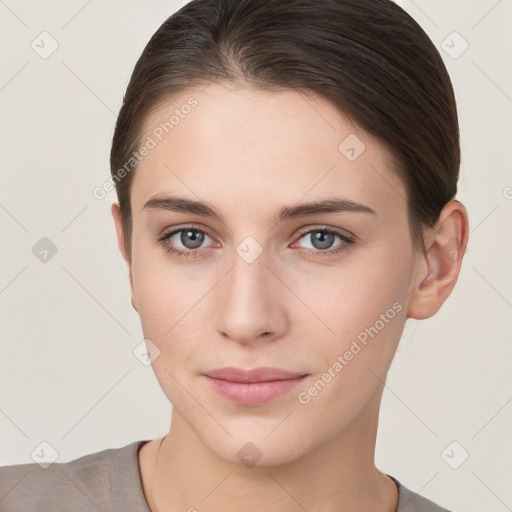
column 259, row 146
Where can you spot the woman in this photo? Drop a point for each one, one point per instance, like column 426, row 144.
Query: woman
column 286, row 173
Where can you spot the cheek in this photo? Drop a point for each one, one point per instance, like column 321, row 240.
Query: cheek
column 363, row 305
column 362, row 302
column 171, row 300
column 152, row 290
column 167, row 303
column 361, row 287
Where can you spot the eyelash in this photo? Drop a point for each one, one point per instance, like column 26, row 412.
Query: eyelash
column 347, row 241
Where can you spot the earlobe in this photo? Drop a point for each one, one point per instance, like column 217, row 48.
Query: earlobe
column 441, row 263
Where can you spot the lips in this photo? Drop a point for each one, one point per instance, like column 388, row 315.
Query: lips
column 261, row 374
column 253, row 387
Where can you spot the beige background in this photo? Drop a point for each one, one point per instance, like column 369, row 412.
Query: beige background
column 68, row 373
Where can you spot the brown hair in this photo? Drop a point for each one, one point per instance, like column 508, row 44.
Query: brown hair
column 369, row 58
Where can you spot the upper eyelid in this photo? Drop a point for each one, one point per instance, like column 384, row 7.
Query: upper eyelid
column 177, row 229
column 336, row 231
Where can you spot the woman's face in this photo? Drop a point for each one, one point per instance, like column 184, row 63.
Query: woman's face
column 257, row 277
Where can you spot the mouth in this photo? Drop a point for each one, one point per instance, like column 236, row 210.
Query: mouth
column 253, row 387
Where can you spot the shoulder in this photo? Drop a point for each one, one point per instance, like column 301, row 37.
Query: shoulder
column 409, row 501
column 83, row 484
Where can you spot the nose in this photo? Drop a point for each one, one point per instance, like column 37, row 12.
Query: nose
column 251, row 302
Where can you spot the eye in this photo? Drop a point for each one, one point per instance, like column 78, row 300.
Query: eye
column 322, row 241
column 184, row 242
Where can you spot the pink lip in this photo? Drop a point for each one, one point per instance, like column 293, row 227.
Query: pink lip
column 253, row 387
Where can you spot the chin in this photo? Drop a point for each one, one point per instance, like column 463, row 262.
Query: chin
column 257, row 453
column 257, row 443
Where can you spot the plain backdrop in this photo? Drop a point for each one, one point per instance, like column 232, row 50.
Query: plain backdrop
column 68, row 375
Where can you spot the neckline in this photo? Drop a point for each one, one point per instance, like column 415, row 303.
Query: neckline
column 128, row 470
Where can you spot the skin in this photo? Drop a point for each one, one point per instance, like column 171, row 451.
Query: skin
column 248, row 152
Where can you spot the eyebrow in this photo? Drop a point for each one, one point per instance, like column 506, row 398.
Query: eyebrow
column 328, row 205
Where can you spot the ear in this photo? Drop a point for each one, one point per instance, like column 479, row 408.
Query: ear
column 439, row 267
column 116, row 214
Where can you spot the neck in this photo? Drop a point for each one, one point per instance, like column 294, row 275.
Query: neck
column 339, row 475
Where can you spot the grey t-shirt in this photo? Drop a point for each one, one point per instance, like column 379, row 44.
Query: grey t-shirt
column 108, row 481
